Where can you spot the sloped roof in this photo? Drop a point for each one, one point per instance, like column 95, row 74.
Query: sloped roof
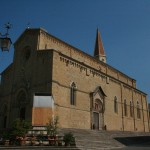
column 99, row 49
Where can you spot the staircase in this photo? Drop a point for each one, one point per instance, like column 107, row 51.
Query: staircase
column 90, row 139
column 96, row 140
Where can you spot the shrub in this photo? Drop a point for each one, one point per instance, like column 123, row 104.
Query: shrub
column 52, row 126
column 19, row 130
column 69, row 138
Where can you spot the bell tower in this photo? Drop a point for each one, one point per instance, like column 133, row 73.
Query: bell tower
column 99, row 52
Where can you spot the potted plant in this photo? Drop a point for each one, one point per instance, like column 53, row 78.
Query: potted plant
column 68, row 138
column 40, row 139
column 6, row 137
column 60, row 140
column 19, row 131
column 52, row 126
column 52, row 130
column 33, row 138
column 73, row 143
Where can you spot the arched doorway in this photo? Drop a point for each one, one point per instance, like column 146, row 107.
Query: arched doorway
column 97, row 114
column 4, row 116
column 22, row 113
column 5, row 122
column 97, row 109
column 22, row 101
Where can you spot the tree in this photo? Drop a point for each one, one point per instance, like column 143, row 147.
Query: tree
column 52, row 126
column 20, row 127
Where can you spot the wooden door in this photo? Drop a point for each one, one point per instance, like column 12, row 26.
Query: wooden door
column 95, row 120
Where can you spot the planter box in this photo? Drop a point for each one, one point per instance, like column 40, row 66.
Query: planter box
column 46, row 142
column 27, row 142
column 6, row 142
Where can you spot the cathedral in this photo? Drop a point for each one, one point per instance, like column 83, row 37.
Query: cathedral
column 49, row 77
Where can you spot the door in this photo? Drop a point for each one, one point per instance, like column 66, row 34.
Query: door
column 5, row 121
column 22, row 113
column 95, row 120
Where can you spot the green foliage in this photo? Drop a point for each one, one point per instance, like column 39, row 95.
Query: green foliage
column 6, row 135
column 40, row 137
column 20, row 127
column 68, row 137
column 52, row 126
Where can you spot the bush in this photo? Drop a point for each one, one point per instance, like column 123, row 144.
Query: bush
column 69, row 138
column 6, row 135
column 52, row 126
column 19, row 129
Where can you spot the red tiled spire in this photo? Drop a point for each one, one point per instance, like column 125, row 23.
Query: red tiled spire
column 99, row 49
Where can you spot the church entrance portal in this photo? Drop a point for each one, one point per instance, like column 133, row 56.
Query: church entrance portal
column 22, row 113
column 21, row 104
column 95, row 120
column 97, row 109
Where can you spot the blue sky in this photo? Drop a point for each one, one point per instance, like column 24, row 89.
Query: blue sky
column 124, row 27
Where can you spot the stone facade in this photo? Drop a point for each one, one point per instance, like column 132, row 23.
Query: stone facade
column 87, row 92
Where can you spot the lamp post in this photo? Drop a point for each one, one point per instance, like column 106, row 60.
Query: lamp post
column 5, row 41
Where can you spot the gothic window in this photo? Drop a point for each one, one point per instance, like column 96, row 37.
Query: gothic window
column 131, row 109
column 21, row 102
column 72, row 93
column 125, row 107
column 22, row 113
column 5, row 122
column 27, row 52
column 5, row 116
column 115, row 105
column 138, row 110
column 45, row 46
column 0, row 79
column 21, row 98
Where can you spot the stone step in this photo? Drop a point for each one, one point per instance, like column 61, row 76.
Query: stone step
column 88, row 139
column 92, row 139
column 38, row 147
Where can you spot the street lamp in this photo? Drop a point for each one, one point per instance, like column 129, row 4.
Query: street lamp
column 5, row 41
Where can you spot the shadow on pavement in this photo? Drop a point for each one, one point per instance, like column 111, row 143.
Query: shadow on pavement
column 143, row 141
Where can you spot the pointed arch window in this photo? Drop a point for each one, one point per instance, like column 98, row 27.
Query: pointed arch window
column 125, row 107
column 27, row 52
column 22, row 102
column 22, row 113
column 131, row 109
column 115, row 105
column 4, row 112
column 72, row 93
column 138, row 110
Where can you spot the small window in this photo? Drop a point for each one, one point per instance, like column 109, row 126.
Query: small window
column 45, row 46
column 27, row 52
column 125, row 107
column 22, row 113
column 0, row 79
column 115, row 105
column 138, row 110
column 72, row 93
column 131, row 109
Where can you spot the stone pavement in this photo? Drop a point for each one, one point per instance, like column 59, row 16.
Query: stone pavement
column 97, row 140
column 37, row 148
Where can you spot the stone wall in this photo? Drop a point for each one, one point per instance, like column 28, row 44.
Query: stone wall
column 67, row 70
column 43, row 63
column 47, row 41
